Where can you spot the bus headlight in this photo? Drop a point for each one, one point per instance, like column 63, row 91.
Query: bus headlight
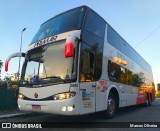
column 62, row 96
column 20, row 96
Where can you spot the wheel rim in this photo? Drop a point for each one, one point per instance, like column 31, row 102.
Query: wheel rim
column 111, row 105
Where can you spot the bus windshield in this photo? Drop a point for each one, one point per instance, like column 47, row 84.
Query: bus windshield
column 48, row 65
column 64, row 22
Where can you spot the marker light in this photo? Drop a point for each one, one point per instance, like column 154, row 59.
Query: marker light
column 6, row 65
column 64, row 96
column 69, row 50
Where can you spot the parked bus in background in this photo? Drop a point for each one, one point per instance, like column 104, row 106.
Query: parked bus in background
column 78, row 64
column 158, row 87
column 158, row 91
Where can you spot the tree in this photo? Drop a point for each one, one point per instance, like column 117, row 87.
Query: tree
column 1, row 64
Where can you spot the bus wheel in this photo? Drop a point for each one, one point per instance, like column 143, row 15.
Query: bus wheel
column 111, row 106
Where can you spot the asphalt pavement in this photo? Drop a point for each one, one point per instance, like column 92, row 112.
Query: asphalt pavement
column 12, row 113
column 17, row 112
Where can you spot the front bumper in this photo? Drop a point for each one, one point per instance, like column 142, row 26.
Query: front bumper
column 60, row 107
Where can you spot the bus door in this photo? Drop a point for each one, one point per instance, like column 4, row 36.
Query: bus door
column 87, row 82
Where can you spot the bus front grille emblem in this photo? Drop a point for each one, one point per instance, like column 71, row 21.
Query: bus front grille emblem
column 36, row 95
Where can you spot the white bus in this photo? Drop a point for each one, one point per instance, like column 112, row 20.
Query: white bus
column 78, row 64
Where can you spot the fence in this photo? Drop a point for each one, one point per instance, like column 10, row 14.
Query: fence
column 8, row 99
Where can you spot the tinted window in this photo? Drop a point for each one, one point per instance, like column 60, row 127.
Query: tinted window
column 93, row 35
column 113, row 38
column 48, row 65
column 95, row 24
column 87, row 72
column 117, row 73
column 118, row 42
column 67, row 21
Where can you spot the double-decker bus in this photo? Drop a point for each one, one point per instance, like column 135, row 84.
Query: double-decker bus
column 78, row 64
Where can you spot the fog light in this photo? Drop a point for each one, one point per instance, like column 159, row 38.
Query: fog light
column 70, row 108
column 63, row 108
column 19, row 106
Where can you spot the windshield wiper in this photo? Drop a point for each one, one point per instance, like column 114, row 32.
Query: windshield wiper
column 54, row 78
column 51, row 77
column 26, row 83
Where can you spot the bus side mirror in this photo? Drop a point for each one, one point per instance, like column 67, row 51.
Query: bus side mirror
column 12, row 56
column 69, row 50
column 6, row 65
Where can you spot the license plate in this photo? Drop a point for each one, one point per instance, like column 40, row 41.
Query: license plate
column 36, row 107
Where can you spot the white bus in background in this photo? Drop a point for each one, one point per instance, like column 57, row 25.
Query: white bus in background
column 78, row 64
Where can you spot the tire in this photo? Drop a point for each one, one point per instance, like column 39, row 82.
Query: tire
column 111, row 106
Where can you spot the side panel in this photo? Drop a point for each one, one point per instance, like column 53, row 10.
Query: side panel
column 93, row 36
column 127, row 93
column 87, row 97
column 129, row 69
column 103, row 84
column 101, row 95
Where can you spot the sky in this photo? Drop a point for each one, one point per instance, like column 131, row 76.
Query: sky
column 137, row 21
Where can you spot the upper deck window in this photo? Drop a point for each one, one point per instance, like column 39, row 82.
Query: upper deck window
column 68, row 21
column 95, row 24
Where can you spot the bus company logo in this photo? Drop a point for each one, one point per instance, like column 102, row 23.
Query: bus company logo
column 45, row 41
column 6, row 125
column 36, row 95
